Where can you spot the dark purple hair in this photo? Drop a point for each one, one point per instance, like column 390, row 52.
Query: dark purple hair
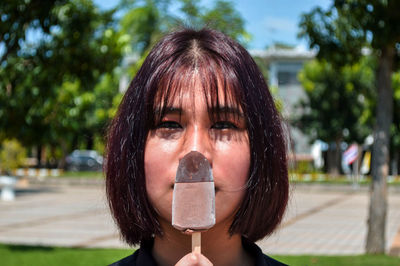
column 219, row 62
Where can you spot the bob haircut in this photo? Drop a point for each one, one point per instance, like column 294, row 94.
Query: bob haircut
column 217, row 61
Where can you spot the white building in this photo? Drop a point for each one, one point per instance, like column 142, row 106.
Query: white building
column 284, row 65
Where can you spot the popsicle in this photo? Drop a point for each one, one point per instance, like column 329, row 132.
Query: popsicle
column 193, row 203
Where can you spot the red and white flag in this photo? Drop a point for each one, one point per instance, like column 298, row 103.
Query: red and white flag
column 351, row 154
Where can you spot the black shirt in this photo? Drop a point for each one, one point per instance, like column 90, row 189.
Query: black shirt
column 143, row 257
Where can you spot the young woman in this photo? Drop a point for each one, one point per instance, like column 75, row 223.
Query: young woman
column 197, row 91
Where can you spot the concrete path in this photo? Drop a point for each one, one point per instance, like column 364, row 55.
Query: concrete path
column 331, row 222
column 318, row 221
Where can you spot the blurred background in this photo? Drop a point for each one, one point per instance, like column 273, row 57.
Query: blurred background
column 66, row 64
column 332, row 66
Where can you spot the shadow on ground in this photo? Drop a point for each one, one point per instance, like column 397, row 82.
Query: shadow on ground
column 36, row 190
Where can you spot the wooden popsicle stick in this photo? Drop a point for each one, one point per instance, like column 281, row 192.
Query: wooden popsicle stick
column 196, row 242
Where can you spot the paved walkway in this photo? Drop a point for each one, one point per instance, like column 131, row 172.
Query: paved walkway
column 331, row 222
column 318, row 221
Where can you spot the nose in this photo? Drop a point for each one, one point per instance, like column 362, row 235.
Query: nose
column 197, row 139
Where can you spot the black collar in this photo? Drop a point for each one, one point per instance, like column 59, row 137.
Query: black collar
column 144, row 257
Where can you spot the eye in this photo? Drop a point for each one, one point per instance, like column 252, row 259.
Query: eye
column 224, row 125
column 169, row 125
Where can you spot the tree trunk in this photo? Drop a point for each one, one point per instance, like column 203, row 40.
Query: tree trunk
column 380, row 164
column 395, row 163
column 89, row 141
column 39, row 156
column 333, row 158
column 62, row 162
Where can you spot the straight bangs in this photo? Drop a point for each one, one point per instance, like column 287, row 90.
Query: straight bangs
column 218, row 82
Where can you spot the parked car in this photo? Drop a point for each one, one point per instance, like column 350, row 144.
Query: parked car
column 84, row 160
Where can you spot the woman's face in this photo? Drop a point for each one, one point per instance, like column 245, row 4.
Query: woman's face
column 186, row 127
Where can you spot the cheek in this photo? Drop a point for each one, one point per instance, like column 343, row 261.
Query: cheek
column 233, row 164
column 159, row 162
column 240, row 169
column 159, row 172
column 231, row 172
column 152, row 168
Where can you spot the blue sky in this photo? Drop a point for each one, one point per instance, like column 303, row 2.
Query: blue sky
column 268, row 21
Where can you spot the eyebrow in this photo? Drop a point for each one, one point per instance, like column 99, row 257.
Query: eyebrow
column 227, row 110
column 168, row 110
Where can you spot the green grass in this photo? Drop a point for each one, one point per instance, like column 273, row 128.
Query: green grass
column 11, row 255
column 313, row 178
column 340, row 182
column 365, row 260
column 317, row 178
column 82, row 174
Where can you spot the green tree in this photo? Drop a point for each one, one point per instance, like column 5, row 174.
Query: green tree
column 21, row 74
column 340, row 33
column 223, row 16
column 395, row 128
column 75, row 44
column 18, row 16
column 263, row 66
column 142, row 24
column 145, row 22
column 338, row 104
column 12, row 155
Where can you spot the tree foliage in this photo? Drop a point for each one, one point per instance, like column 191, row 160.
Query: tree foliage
column 12, row 155
column 395, row 127
column 145, row 22
column 73, row 45
column 338, row 104
column 60, row 62
column 339, row 101
column 19, row 16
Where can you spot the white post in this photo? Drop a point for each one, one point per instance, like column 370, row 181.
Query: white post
column 7, row 184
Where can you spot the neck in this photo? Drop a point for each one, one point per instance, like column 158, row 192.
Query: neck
column 216, row 244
